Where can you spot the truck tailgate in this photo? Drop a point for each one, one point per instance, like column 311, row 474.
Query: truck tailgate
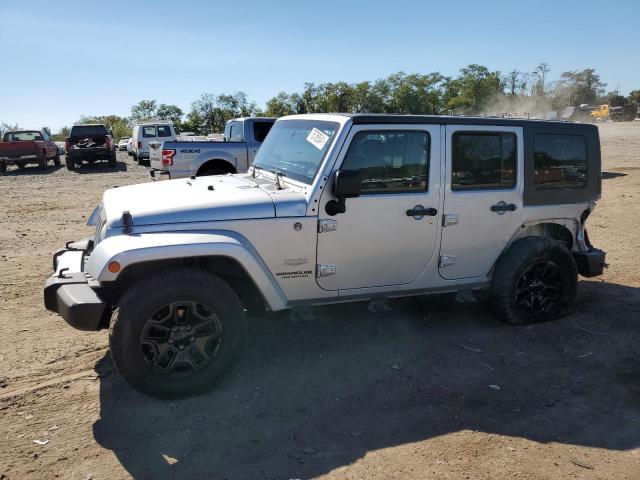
column 17, row 150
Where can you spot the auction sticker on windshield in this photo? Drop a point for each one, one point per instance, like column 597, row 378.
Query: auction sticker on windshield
column 317, row 138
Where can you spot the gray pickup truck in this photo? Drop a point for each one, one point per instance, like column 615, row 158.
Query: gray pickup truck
column 180, row 159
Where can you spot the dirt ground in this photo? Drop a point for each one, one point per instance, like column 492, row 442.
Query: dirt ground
column 433, row 389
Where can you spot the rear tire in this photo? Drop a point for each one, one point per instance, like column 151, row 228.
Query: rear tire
column 42, row 163
column 71, row 164
column 3, row 167
column 177, row 333
column 534, row 281
column 113, row 160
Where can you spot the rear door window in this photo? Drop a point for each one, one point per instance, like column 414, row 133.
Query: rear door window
column 148, row 132
column 483, row 160
column 559, row 161
column 164, row 131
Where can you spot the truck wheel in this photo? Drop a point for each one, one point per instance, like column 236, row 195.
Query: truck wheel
column 3, row 167
column 113, row 160
column 534, row 281
column 42, row 163
column 56, row 159
column 176, row 334
column 71, row 164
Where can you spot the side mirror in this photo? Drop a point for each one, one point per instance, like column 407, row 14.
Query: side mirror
column 346, row 184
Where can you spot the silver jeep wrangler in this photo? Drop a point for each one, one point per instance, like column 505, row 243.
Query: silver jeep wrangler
column 335, row 208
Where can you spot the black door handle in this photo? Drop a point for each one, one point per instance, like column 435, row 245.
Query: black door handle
column 420, row 211
column 502, row 207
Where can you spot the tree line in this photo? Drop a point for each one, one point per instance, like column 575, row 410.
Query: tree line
column 474, row 90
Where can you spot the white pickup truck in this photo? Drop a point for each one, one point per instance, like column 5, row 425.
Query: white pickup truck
column 180, row 159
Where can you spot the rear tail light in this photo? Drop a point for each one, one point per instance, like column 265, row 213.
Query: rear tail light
column 108, row 142
column 67, row 145
column 167, row 157
column 139, row 144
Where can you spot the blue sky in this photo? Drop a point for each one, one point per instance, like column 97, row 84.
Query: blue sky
column 62, row 59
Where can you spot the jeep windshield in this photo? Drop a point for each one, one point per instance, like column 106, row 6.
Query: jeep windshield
column 296, row 148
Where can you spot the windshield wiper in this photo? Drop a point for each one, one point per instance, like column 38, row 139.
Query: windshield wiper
column 279, row 174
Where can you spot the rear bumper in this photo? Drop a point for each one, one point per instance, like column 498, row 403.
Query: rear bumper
column 83, row 154
column 21, row 158
column 590, row 263
column 68, row 292
column 159, row 174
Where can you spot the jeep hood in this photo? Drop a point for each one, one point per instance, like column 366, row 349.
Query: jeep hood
column 180, row 201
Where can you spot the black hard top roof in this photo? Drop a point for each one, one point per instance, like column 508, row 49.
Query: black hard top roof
column 380, row 118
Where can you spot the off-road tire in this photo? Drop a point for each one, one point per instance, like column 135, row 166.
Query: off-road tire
column 56, row 159
column 139, row 160
column 71, row 163
column 522, row 256
column 113, row 160
column 42, row 163
column 147, row 296
column 212, row 171
column 3, row 167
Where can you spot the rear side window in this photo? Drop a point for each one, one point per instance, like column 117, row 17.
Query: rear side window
column 235, row 131
column 260, row 130
column 164, row 131
column 483, row 160
column 559, row 161
column 148, row 132
column 390, row 161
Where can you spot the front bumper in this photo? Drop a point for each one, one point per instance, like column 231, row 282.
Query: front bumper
column 590, row 263
column 68, row 291
column 159, row 174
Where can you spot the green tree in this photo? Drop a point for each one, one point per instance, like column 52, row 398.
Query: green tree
column 143, row 110
column 172, row 113
column 634, row 96
column 473, row 90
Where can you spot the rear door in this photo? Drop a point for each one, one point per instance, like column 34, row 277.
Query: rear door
column 483, row 197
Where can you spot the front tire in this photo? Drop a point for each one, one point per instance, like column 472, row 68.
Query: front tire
column 56, row 159
column 534, row 281
column 177, row 333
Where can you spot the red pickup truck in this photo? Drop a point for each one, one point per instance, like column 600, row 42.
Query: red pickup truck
column 21, row 147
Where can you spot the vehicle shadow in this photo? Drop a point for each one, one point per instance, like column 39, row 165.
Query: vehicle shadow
column 310, row 397
column 14, row 171
column 100, row 167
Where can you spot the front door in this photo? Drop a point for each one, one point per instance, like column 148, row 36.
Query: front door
column 388, row 234
column 482, row 197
